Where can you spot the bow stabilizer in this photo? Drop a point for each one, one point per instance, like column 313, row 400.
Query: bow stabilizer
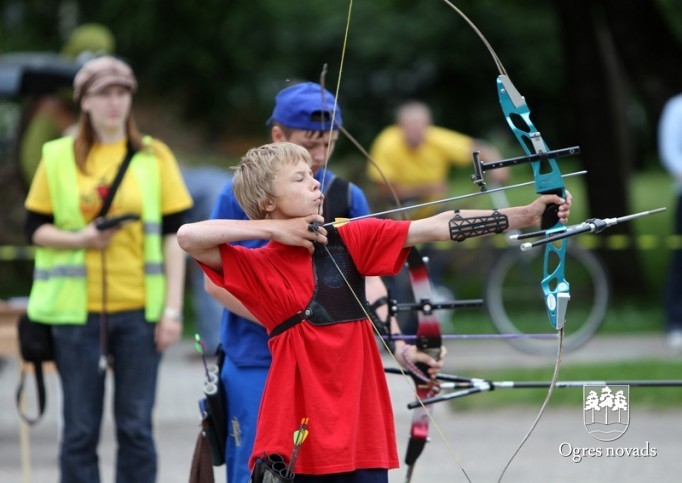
column 593, row 225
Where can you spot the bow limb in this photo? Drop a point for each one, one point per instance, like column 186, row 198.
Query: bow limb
column 547, row 176
column 548, row 180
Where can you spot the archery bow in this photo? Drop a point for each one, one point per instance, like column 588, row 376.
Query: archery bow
column 428, row 339
column 548, row 180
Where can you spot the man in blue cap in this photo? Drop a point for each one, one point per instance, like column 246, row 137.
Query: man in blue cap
column 307, row 115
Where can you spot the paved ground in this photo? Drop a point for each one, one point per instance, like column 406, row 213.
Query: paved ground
column 482, row 440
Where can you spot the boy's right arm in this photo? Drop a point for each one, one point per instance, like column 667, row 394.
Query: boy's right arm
column 202, row 239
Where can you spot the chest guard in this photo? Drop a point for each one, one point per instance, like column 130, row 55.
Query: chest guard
column 333, row 301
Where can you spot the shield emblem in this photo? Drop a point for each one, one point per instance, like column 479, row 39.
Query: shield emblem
column 606, row 411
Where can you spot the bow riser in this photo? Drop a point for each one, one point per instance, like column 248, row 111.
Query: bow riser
column 548, row 180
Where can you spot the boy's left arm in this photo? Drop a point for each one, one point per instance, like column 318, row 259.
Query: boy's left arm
column 460, row 225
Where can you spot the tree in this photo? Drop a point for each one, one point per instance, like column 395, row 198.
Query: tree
column 607, row 67
column 606, row 401
column 592, row 403
column 620, row 403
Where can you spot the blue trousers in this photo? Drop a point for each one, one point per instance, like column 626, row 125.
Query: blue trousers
column 244, row 388
column 135, row 369
column 357, row 476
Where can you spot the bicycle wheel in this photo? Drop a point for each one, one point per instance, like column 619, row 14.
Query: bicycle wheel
column 514, row 299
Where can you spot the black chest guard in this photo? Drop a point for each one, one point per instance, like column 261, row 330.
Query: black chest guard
column 333, row 301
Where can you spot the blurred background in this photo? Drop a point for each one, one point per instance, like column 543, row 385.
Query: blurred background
column 595, row 73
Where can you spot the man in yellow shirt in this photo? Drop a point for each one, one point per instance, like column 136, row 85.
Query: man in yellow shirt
column 415, row 157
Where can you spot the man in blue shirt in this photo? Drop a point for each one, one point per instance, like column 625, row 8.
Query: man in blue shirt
column 304, row 117
column 670, row 152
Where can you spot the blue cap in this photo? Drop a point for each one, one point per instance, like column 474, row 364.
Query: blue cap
column 301, row 106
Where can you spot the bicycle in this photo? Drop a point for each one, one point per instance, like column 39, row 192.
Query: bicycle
column 512, row 295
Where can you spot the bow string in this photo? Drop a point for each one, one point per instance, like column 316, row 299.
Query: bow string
column 428, row 330
column 428, row 337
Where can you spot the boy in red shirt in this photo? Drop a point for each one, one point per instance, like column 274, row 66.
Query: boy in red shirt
column 304, row 287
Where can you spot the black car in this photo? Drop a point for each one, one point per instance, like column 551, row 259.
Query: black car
column 25, row 74
column 25, row 77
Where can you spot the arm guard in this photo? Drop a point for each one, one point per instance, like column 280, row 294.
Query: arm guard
column 463, row 228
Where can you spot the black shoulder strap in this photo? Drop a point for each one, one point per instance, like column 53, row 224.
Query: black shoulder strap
column 337, row 200
column 130, row 152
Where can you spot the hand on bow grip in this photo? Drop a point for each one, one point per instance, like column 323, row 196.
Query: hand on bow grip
column 421, row 363
column 556, row 209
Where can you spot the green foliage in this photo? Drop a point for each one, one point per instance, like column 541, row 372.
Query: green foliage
column 223, row 62
column 29, row 25
column 672, row 12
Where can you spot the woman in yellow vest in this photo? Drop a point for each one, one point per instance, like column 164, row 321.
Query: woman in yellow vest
column 113, row 296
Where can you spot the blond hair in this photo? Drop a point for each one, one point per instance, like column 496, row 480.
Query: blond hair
column 255, row 175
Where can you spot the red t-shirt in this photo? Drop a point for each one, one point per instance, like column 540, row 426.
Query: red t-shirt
column 331, row 374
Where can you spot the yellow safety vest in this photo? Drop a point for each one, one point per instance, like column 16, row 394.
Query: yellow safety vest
column 59, row 291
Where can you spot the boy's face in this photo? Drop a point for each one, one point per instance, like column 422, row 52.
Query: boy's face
column 316, row 142
column 297, row 193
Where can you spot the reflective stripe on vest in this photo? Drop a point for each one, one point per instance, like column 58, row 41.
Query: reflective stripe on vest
column 146, row 170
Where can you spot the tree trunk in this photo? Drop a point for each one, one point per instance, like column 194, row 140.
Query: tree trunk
column 648, row 49
column 598, row 91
